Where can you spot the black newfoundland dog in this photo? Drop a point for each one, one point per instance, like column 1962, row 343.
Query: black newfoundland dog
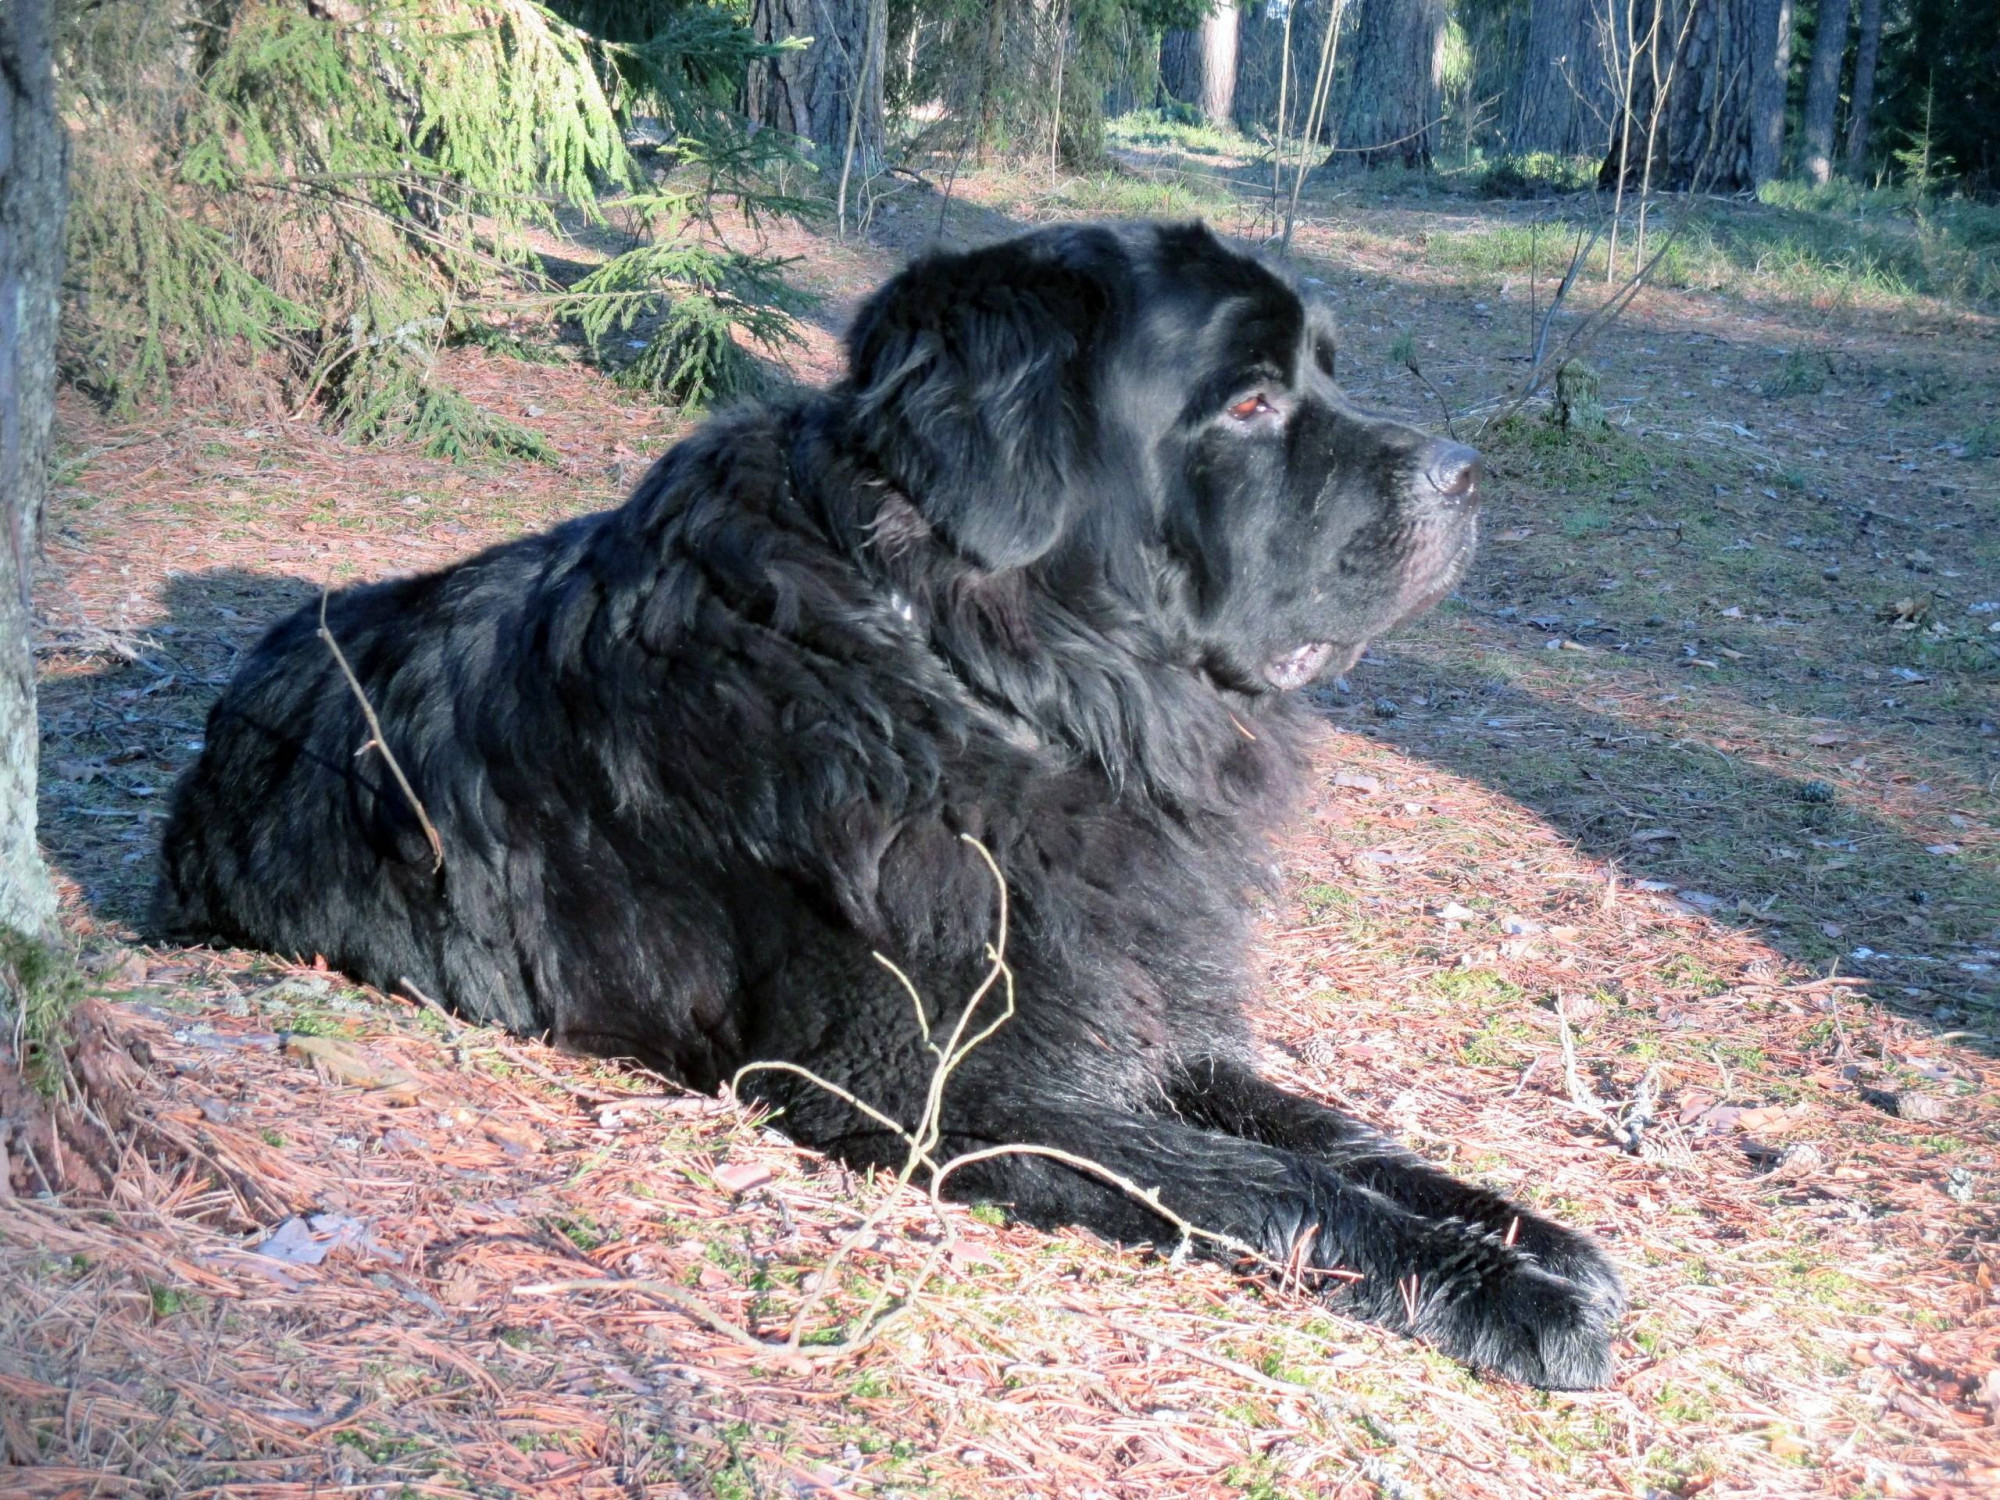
column 1043, row 570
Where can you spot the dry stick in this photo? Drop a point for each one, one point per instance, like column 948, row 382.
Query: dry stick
column 1428, row 125
column 1627, row 1133
column 1055, row 122
column 1284, row 84
column 666, row 1291
column 1661, row 90
column 857, row 99
column 377, row 742
column 1534, row 238
column 1329, row 48
column 1417, row 370
column 1578, row 255
column 951, row 180
column 1624, row 141
column 452, row 1024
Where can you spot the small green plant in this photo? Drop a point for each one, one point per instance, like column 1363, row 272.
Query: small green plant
column 39, row 987
column 167, row 1300
column 1804, row 373
column 1686, row 972
column 1480, row 987
column 1923, row 168
column 581, row 1230
column 1322, row 901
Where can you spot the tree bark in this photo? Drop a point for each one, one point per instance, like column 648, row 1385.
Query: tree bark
column 1564, row 100
column 1397, row 85
column 1701, row 88
column 807, row 93
column 1861, row 103
column 33, row 198
column 1771, row 67
column 1829, row 47
column 1218, row 36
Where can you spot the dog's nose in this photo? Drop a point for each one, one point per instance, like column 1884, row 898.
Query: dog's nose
column 1453, row 471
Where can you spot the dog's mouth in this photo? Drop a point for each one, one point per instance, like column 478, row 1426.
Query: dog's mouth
column 1302, row 664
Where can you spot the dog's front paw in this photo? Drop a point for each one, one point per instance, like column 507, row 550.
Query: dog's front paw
column 1572, row 1256
column 1533, row 1326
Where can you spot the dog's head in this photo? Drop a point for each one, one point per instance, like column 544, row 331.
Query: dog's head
column 1144, row 410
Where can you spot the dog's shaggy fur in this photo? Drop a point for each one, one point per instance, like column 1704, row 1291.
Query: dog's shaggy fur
column 1041, row 570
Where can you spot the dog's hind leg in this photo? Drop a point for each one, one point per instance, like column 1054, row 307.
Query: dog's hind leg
column 1460, row 1284
column 1226, row 1095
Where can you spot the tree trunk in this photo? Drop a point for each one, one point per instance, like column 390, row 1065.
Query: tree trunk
column 1771, row 67
column 32, row 200
column 1218, row 62
column 1198, row 67
column 1397, row 86
column 1565, row 101
column 1260, row 64
column 1699, row 94
column 1829, row 47
column 807, row 93
column 1861, row 103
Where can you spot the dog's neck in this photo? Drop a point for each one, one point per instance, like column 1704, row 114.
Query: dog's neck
column 1066, row 663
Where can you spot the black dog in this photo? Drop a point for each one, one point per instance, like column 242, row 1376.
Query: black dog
column 1040, row 571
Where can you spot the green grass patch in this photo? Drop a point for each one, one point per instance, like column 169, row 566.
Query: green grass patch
column 1172, row 195
column 1881, row 249
column 1538, row 174
column 1476, row 987
column 1180, row 128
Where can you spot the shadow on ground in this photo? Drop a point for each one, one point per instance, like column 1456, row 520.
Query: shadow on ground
column 1818, row 877
column 121, row 719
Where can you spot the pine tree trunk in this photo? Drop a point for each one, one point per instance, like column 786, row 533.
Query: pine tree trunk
column 1771, row 64
column 1702, row 92
column 1397, row 85
column 1218, row 63
column 1564, row 100
column 32, row 203
column 1829, row 47
column 806, row 93
column 1861, row 103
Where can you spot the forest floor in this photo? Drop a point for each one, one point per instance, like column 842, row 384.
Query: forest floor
column 1699, row 774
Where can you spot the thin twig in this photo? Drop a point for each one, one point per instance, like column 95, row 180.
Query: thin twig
column 377, row 742
column 1578, row 256
column 1579, row 337
column 1417, row 370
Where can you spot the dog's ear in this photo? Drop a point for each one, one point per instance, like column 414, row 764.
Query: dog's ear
column 972, row 378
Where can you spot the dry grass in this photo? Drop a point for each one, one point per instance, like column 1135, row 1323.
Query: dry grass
column 1809, row 1227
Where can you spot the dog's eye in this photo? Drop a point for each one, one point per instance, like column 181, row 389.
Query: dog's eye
column 1251, row 406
